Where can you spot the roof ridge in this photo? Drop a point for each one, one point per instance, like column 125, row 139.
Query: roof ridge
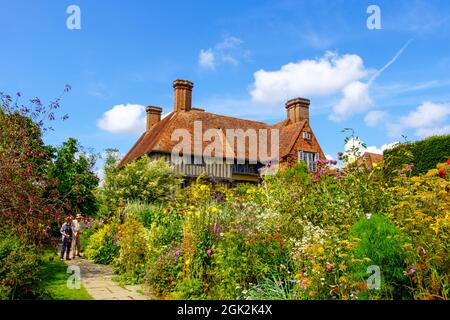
column 231, row 117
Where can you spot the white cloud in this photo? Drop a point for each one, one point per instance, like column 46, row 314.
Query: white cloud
column 373, row 118
column 228, row 51
column 329, row 157
column 427, row 119
column 308, row 78
column 228, row 42
column 206, row 59
column 123, row 118
column 428, row 132
column 355, row 99
column 357, row 143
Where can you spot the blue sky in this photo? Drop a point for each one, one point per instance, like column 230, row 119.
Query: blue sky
column 246, row 58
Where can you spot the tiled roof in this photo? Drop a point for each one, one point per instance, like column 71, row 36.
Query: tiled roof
column 369, row 158
column 158, row 138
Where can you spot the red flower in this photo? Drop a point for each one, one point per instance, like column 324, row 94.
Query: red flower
column 448, row 161
column 442, row 173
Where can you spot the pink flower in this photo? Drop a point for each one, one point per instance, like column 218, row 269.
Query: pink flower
column 209, row 253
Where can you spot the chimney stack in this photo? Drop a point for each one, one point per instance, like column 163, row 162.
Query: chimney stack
column 182, row 95
column 153, row 116
column 298, row 109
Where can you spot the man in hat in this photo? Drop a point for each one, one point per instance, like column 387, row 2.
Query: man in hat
column 78, row 227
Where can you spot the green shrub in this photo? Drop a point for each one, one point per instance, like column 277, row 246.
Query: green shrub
column 19, row 263
column 165, row 271
column 102, row 247
column 424, row 154
column 142, row 180
column 133, row 242
column 379, row 243
column 85, row 236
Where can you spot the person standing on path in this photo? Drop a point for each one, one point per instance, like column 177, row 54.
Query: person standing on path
column 78, row 228
column 67, row 237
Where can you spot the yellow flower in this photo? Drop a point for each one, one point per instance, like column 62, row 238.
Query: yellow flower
column 214, row 210
column 188, row 262
column 374, row 164
column 342, row 267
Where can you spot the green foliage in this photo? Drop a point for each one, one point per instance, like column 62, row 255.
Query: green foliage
column 423, row 213
column 133, row 242
column 295, row 236
column 54, row 279
column 18, row 268
column 85, row 237
column 424, row 154
column 141, row 180
column 76, row 182
column 299, row 171
column 379, row 243
column 102, row 247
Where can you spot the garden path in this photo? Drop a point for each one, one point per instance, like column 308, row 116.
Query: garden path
column 97, row 279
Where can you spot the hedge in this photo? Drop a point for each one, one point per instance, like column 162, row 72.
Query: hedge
column 424, row 154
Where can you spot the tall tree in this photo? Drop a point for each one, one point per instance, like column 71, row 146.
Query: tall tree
column 23, row 162
column 72, row 169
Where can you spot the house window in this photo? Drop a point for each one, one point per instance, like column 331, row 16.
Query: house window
column 310, row 158
column 306, row 135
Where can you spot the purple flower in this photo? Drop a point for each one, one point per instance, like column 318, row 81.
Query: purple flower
column 177, row 253
column 322, row 171
column 209, row 253
column 408, row 166
column 293, row 281
column 412, row 270
column 269, row 164
column 402, row 172
column 216, row 227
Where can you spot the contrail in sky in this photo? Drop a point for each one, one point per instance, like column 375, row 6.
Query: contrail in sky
column 399, row 52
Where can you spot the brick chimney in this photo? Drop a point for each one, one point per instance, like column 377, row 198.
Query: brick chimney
column 153, row 116
column 298, row 109
column 182, row 95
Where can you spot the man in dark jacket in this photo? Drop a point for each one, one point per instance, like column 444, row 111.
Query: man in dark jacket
column 67, row 236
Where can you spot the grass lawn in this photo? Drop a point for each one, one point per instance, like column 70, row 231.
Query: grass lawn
column 55, row 279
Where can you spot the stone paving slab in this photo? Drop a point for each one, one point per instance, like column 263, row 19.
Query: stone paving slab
column 97, row 279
